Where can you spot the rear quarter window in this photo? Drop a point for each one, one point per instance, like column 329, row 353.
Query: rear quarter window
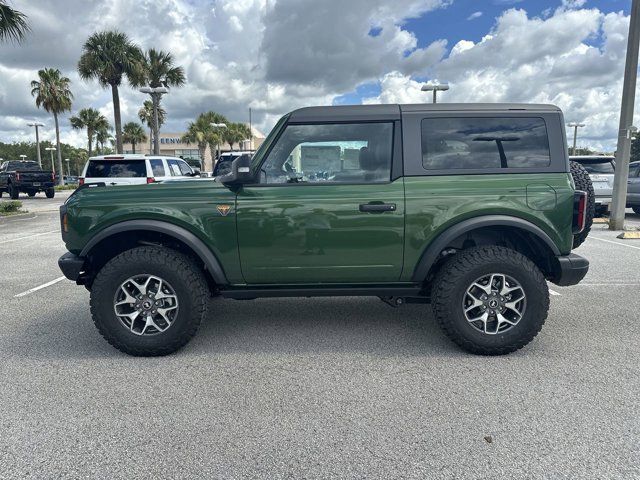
column 116, row 168
column 604, row 167
column 466, row 143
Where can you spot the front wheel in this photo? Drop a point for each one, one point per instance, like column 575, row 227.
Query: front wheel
column 490, row 300
column 149, row 301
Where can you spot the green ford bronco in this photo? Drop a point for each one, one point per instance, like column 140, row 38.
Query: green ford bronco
column 471, row 208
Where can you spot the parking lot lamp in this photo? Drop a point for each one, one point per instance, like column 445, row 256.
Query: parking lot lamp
column 37, row 124
column 53, row 166
column 575, row 126
column 621, row 175
column 156, row 93
column 68, row 167
column 433, row 87
column 218, row 125
column 22, row 157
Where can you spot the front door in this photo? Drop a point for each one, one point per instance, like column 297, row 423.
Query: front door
column 325, row 209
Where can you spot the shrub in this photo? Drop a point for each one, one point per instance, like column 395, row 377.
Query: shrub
column 10, row 206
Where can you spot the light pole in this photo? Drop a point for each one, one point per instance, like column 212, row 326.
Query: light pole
column 156, row 93
column 575, row 126
column 218, row 125
column 37, row 124
column 53, row 167
column 432, row 87
column 621, row 176
column 68, row 167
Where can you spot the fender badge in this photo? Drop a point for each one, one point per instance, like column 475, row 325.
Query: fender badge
column 224, row 209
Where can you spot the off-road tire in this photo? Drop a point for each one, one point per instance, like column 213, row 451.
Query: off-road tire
column 186, row 278
column 583, row 182
column 461, row 271
column 636, row 210
column 14, row 193
column 50, row 192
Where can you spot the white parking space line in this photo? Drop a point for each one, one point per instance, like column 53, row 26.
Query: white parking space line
column 40, row 287
column 29, row 236
column 553, row 292
column 617, row 243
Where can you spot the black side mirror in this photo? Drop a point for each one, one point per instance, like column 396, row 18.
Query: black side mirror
column 240, row 172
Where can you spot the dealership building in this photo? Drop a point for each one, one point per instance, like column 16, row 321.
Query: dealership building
column 171, row 145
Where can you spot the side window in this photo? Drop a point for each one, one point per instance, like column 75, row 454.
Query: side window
column 185, row 169
column 157, row 167
column 481, row 143
column 634, row 170
column 331, row 153
column 174, row 168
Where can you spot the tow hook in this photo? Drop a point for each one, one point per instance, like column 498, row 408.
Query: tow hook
column 395, row 302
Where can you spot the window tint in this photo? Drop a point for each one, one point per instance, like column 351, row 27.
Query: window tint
column 604, row 166
column 116, row 168
column 481, row 143
column 634, row 170
column 184, row 168
column 174, row 168
column 351, row 153
column 157, row 167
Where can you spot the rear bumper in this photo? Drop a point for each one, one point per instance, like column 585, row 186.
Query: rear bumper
column 572, row 269
column 31, row 186
column 71, row 265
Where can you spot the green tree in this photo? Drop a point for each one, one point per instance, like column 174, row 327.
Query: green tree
column 91, row 120
column 13, row 24
column 158, row 70
column 52, row 93
column 201, row 133
column 145, row 114
column 236, row 133
column 133, row 133
column 110, row 56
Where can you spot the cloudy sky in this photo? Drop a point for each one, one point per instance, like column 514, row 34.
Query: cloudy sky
column 277, row 55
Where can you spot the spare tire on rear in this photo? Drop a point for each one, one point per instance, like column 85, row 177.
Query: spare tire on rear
column 583, row 182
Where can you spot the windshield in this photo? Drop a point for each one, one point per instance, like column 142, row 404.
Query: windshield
column 23, row 166
column 262, row 149
column 604, row 166
column 116, row 168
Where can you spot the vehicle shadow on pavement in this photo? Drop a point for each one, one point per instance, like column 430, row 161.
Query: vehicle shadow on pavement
column 272, row 326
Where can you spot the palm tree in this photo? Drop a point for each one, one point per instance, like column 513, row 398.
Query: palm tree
column 133, row 133
column 202, row 134
column 145, row 114
column 108, row 57
column 92, row 120
column 236, row 133
column 103, row 135
column 13, row 24
column 158, row 70
column 216, row 137
column 53, row 94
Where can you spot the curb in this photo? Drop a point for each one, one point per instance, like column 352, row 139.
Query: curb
column 629, row 235
column 19, row 216
column 600, row 220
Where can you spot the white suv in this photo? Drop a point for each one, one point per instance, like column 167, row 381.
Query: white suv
column 132, row 169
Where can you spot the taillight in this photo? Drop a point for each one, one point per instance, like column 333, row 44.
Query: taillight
column 18, row 176
column 53, row 177
column 80, row 181
column 579, row 211
column 150, row 179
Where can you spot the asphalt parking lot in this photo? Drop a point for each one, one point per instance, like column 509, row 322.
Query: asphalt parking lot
column 315, row 388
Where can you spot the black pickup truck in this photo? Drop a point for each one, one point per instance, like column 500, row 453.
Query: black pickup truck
column 27, row 177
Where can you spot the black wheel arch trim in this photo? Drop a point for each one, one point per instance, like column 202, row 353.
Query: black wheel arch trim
column 179, row 233
column 430, row 254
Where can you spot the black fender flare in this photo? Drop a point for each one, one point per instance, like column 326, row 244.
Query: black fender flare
column 179, row 233
column 430, row 254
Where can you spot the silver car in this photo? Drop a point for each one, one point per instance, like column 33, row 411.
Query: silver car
column 601, row 169
column 633, row 187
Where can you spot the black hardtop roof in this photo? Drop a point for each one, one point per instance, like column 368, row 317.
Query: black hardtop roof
column 392, row 111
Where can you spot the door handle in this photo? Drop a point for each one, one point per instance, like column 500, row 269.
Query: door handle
column 377, row 207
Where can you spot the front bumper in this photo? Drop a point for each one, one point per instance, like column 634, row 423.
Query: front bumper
column 572, row 269
column 71, row 265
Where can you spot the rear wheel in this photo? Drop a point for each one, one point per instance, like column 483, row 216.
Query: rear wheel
column 13, row 192
column 149, row 301
column 31, row 194
column 490, row 300
column 50, row 192
column 583, row 182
